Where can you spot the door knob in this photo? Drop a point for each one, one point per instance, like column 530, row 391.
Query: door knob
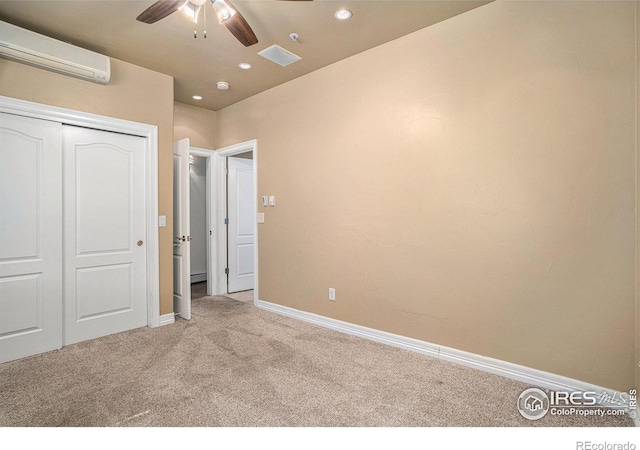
column 140, row 243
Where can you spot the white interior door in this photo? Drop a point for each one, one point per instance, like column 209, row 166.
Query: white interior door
column 182, row 238
column 30, row 237
column 104, row 233
column 241, row 216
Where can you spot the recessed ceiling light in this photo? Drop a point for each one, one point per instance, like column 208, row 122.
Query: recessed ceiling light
column 197, row 97
column 222, row 85
column 244, row 66
column 343, row 14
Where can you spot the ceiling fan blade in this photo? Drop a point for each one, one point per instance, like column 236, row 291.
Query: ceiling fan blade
column 160, row 10
column 239, row 27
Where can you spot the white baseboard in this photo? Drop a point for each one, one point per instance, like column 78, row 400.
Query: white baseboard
column 167, row 319
column 533, row 377
column 197, row 278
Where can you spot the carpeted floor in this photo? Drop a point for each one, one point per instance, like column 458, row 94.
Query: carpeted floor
column 236, row 365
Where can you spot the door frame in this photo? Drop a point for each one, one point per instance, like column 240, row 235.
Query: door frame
column 219, row 229
column 150, row 134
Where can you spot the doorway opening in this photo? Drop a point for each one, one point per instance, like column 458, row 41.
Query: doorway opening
column 213, row 211
column 198, row 222
column 236, row 229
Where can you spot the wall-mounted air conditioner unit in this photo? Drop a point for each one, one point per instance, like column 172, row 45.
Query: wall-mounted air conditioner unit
column 35, row 49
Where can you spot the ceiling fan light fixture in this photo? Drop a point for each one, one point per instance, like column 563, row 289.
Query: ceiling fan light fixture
column 223, row 11
column 343, row 14
column 190, row 10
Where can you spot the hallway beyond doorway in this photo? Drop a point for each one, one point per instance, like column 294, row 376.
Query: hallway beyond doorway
column 199, row 290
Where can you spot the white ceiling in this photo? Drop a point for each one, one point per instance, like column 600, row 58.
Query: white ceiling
column 168, row 46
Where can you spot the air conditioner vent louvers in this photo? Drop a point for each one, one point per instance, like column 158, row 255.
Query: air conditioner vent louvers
column 41, row 51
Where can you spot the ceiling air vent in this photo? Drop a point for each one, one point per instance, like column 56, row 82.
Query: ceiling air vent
column 279, row 55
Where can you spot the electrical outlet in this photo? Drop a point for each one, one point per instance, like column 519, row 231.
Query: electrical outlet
column 332, row 294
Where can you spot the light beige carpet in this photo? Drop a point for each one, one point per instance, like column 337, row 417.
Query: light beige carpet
column 236, row 365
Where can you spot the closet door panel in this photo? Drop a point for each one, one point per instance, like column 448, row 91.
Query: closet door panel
column 105, row 233
column 30, row 236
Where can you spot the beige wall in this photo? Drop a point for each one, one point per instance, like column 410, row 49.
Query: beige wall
column 470, row 184
column 637, row 315
column 195, row 123
column 134, row 94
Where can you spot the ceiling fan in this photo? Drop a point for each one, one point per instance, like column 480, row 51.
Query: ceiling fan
column 227, row 15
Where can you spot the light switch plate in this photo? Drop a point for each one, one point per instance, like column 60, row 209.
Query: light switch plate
column 272, row 200
column 162, row 221
column 260, row 217
column 265, row 200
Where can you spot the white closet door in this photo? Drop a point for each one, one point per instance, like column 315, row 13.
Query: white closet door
column 104, row 232
column 240, row 246
column 30, row 237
